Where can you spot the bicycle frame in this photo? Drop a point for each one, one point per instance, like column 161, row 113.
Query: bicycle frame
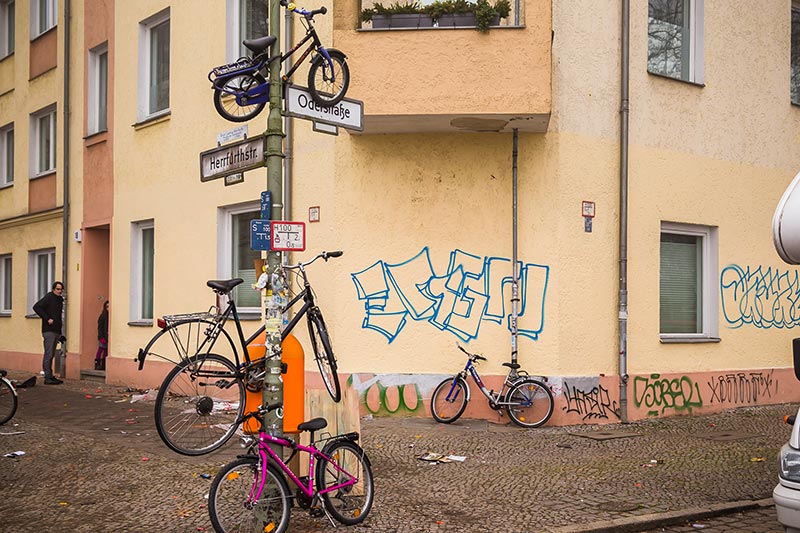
column 265, row 452
column 494, row 398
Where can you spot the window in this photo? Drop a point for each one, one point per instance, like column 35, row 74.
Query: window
column 41, row 274
column 687, row 296
column 7, row 155
column 675, row 39
column 5, row 284
column 247, row 19
column 7, row 25
column 98, row 89
column 43, row 16
column 154, row 65
column 794, row 82
column 236, row 259
column 142, row 269
column 43, row 142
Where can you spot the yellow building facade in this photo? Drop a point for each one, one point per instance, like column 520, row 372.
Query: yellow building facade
column 421, row 201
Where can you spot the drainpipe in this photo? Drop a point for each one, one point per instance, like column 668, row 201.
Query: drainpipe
column 515, row 270
column 623, row 215
column 65, row 122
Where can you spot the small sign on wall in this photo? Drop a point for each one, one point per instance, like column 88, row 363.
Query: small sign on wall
column 587, row 210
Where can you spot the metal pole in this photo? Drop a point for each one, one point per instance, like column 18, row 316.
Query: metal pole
column 272, row 391
column 515, row 271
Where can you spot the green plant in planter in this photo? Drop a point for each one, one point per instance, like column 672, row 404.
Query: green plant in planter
column 485, row 13
column 397, row 8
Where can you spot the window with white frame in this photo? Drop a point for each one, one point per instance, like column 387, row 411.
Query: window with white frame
column 41, row 274
column 236, row 259
column 7, row 27
column 44, row 15
column 246, row 19
column 687, row 296
column 154, row 65
column 794, row 80
column 142, row 269
column 675, row 39
column 5, row 284
column 7, row 155
column 97, row 119
column 43, row 142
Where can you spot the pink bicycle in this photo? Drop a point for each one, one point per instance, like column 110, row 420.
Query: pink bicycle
column 250, row 494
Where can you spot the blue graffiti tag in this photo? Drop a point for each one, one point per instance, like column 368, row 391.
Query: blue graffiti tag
column 762, row 297
column 473, row 289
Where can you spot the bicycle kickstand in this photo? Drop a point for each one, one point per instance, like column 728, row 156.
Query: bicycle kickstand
column 315, row 511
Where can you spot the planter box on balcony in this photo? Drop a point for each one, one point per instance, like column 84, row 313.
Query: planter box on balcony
column 402, row 21
column 460, row 20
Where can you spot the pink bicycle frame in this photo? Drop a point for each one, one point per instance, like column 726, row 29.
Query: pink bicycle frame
column 265, row 452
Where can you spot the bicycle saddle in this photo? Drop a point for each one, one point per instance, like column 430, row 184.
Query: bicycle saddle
column 224, row 286
column 260, row 44
column 313, row 425
column 513, row 366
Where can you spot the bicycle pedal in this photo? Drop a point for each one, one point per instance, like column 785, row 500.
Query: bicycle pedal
column 316, row 512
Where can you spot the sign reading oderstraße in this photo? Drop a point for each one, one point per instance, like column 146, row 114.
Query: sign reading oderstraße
column 232, row 158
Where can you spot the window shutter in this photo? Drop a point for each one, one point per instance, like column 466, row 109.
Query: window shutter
column 681, row 284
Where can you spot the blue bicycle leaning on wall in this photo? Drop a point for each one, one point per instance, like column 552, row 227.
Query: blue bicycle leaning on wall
column 241, row 89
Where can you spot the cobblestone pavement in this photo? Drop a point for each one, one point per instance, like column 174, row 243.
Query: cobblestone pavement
column 759, row 520
column 93, row 462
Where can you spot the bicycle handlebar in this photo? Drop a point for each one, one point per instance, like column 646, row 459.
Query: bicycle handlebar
column 300, row 11
column 473, row 356
column 262, row 410
column 321, row 255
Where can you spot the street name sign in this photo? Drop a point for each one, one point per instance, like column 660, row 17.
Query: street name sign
column 232, row 158
column 288, row 236
column 346, row 114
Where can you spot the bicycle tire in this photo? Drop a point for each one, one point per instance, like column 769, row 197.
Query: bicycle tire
column 449, row 399
column 198, row 405
column 529, row 403
column 325, row 92
column 227, row 106
column 348, row 505
column 323, row 353
column 8, row 401
column 228, row 499
column 181, row 340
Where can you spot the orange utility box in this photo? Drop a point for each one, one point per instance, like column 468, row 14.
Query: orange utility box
column 293, row 384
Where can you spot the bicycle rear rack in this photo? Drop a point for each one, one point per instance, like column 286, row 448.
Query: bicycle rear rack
column 242, row 63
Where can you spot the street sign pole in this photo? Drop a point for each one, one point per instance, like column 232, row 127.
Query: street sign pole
column 275, row 297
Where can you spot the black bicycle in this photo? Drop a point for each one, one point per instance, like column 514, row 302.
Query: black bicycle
column 8, row 398
column 241, row 89
column 202, row 399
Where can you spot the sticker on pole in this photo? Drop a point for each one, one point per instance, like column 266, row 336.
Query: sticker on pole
column 288, row 236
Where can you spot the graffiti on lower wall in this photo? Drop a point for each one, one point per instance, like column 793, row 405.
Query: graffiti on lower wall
column 743, row 387
column 458, row 299
column 587, row 398
column 658, row 394
column 761, row 297
column 394, row 394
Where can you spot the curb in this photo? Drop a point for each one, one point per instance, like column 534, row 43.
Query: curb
column 651, row 521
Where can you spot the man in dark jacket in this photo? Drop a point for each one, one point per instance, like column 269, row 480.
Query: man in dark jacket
column 49, row 309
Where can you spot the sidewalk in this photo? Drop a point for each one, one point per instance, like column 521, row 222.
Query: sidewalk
column 93, row 462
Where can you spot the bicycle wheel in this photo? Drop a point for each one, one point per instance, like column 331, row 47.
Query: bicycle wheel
column 348, row 504
column 323, row 353
column 182, row 340
column 198, row 405
column 328, row 87
column 8, row 401
column 529, row 403
column 225, row 102
column 449, row 400
column 229, row 505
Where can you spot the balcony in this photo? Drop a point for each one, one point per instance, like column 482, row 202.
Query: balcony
column 450, row 80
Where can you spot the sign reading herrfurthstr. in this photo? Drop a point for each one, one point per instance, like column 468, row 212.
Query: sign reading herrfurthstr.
column 232, row 158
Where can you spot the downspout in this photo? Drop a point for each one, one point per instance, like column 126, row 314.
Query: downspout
column 65, row 109
column 623, row 215
column 514, row 268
